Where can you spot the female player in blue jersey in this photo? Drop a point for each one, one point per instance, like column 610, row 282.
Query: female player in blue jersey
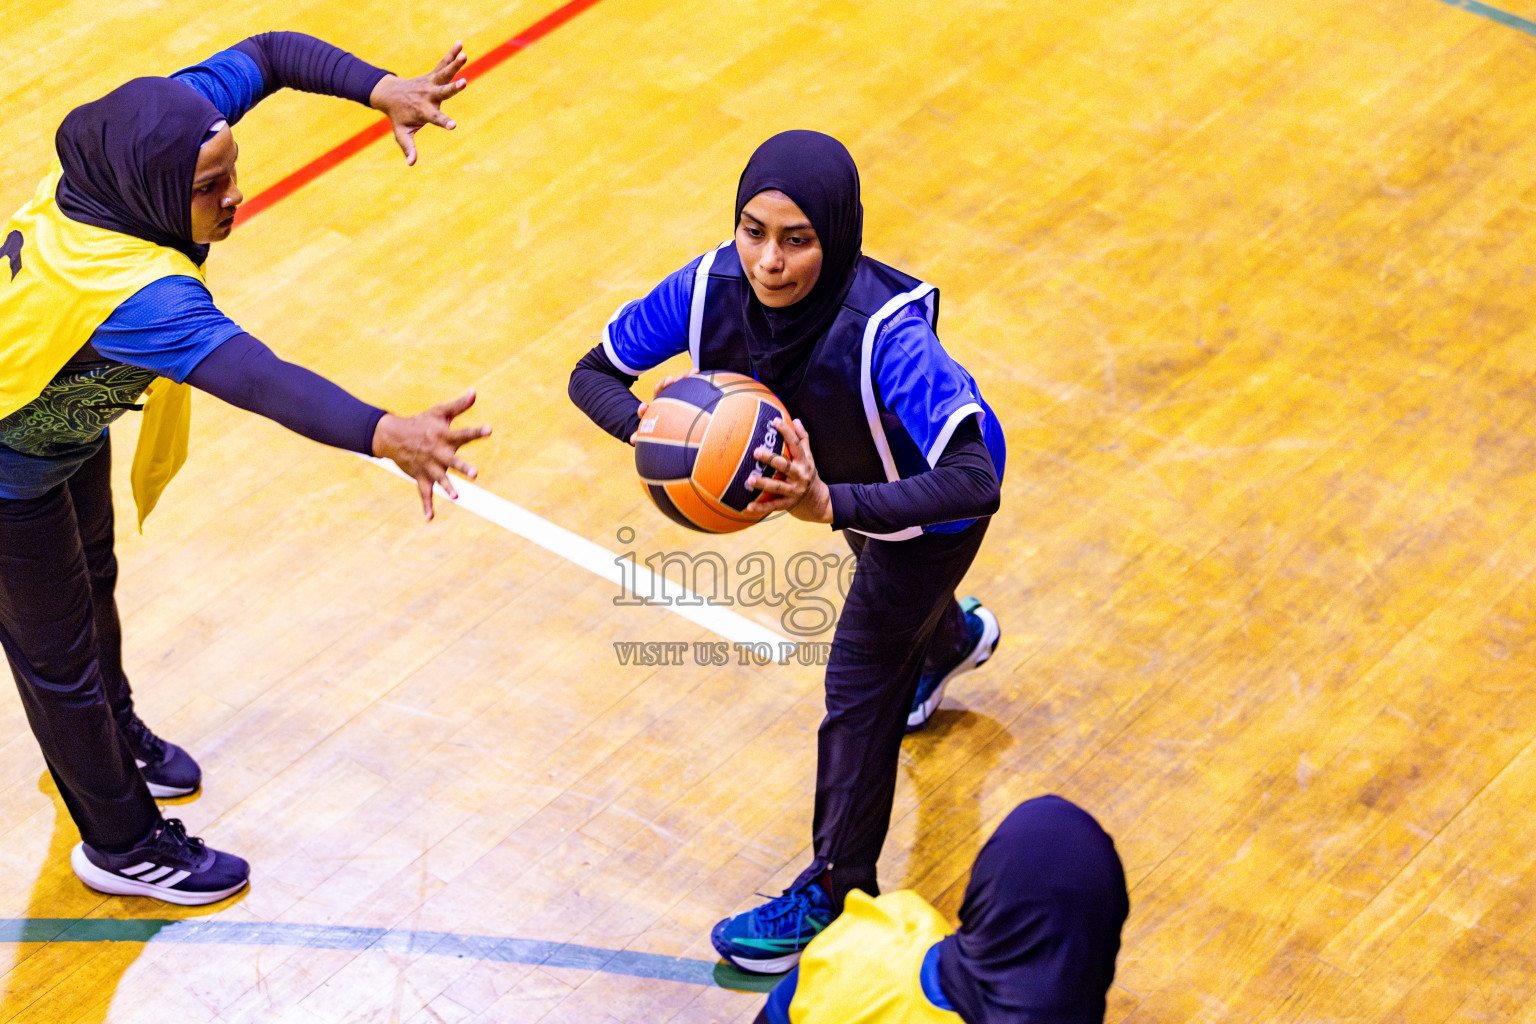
column 908, row 459
column 1039, row 933
column 101, row 297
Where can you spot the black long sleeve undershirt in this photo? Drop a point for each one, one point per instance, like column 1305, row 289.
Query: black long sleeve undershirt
column 247, row 374
column 293, row 60
column 963, row 485
column 601, row 390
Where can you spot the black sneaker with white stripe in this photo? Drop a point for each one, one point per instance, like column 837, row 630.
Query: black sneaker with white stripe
column 169, row 865
column 168, row 769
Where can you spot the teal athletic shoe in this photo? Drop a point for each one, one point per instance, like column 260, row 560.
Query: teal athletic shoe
column 768, row 939
column 985, row 634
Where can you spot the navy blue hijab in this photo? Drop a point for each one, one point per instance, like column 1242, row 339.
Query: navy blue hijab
column 129, row 159
column 817, row 172
column 1040, row 924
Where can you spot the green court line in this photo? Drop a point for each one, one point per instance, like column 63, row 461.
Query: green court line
column 1515, row 22
column 385, row 940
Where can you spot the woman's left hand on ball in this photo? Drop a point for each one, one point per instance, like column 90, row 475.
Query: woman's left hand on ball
column 801, row 490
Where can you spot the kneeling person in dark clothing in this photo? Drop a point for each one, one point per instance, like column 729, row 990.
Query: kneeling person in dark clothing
column 1039, row 933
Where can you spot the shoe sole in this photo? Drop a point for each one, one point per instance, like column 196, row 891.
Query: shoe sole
column 775, row 965
column 114, row 884
column 991, row 633
column 160, row 791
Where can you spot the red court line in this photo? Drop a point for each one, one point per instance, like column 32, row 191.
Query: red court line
column 380, row 129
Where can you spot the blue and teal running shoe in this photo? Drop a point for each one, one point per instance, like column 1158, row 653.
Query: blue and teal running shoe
column 930, row 691
column 768, row 939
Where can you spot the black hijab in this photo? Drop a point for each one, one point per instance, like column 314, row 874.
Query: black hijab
column 129, row 159
column 816, row 171
column 1040, row 925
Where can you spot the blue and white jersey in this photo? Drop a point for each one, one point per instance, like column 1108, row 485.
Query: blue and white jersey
column 879, row 385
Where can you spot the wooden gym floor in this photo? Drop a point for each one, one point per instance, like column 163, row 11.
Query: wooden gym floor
column 1247, row 283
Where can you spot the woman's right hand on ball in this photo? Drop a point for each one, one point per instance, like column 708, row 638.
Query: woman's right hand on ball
column 666, row 382
column 634, row 438
column 426, row 446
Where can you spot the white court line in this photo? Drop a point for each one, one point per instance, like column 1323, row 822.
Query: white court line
column 599, row 560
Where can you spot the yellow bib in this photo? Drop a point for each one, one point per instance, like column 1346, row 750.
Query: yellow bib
column 865, row 968
column 59, row 281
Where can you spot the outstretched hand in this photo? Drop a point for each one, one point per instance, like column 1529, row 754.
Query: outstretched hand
column 426, row 446
column 801, row 490
column 412, row 103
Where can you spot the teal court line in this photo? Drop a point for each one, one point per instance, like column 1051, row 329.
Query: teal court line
column 1515, row 22
column 385, row 940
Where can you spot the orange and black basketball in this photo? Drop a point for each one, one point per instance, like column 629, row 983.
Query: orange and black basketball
column 694, row 452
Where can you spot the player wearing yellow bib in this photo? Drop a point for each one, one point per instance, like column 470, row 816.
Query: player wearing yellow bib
column 1039, row 933
column 102, row 302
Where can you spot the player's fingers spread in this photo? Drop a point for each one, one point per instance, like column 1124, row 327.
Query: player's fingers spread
column 435, row 473
column 465, row 469
column 805, row 439
column 406, row 143
column 456, row 406
column 772, row 485
column 791, row 443
column 455, row 55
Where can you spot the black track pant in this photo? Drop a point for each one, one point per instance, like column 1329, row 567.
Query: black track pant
column 59, row 628
column 900, row 615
